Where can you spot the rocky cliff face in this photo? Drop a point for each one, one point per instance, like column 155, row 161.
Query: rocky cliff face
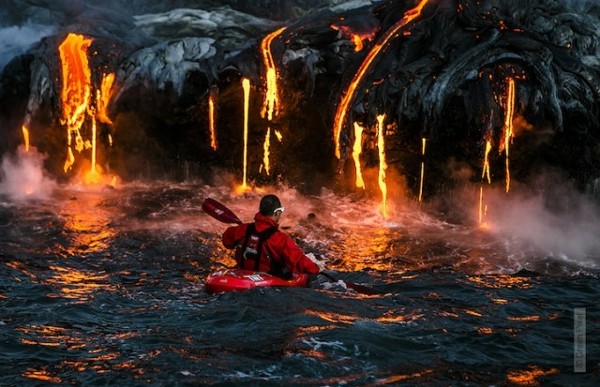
column 443, row 71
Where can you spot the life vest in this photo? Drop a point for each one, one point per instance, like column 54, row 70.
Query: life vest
column 250, row 254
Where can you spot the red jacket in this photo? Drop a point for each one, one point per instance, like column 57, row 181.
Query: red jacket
column 279, row 247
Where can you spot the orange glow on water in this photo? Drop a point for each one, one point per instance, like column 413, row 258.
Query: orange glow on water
column 211, row 122
column 25, row 131
column 76, row 89
column 78, row 285
column 42, row 375
column 382, row 164
column 508, row 127
column 246, row 87
column 356, row 151
column 530, row 376
column 348, row 95
column 271, row 103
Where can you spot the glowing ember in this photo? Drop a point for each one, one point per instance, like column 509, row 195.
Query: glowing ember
column 211, row 121
column 266, row 146
column 424, row 141
column 25, row 131
column 508, row 127
column 76, row 89
column 278, row 135
column 348, row 96
column 356, row 151
column 382, row 164
column 246, row 86
column 271, row 103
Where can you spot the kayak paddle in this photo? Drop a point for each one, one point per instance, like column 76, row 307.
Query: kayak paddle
column 219, row 211
column 223, row 214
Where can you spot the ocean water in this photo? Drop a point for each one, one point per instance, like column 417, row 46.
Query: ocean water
column 104, row 286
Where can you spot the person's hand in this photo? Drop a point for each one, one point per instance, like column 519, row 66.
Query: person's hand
column 319, row 260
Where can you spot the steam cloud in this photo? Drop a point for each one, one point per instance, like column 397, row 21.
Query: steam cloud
column 556, row 221
column 22, row 177
column 15, row 40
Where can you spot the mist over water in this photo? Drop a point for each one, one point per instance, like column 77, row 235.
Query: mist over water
column 23, row 178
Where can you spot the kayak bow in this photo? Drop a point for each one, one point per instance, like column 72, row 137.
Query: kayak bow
column 230, row 280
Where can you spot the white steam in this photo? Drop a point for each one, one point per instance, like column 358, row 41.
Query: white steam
column 15, row 40
column 22, row 176
column 560, row 223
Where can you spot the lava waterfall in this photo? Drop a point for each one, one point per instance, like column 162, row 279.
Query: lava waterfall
column 503, row 89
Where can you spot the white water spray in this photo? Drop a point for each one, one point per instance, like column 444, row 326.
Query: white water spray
column 22, row 176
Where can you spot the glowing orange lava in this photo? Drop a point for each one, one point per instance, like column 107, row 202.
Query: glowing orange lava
column 382, row 164
column 211, row 122
column 103, row 96
column 271, row 103
column 266, row 146
column 356, row 38
column 484, row 174
column 246, row 86
column 508, row 127
column 356, row 151
column 424, row 143
column 25, row 131
column 486, row 162
column 76, row 89
column 348, row 96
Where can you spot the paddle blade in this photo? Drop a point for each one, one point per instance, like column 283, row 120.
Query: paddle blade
column 356, row 287
column 219, row 211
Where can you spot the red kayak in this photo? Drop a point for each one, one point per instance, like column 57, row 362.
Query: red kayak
column 230, row 280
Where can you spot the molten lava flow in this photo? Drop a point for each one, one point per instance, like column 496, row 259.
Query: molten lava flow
column 25, row 131
column 93, row 168
column 271, row 103
column 211, row 121
column 508, row 127
column 482, row 211
column 76, row 89
column 356, row 151
column 103, row 96
column 356, row 38
column 485, row 173
column 382, row 164
column 348, row 96
column 486, row 162
column 266, row 146
column 246, row 86
column 424, row 143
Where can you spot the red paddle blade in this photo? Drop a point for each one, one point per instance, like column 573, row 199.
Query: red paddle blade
column 219, row 211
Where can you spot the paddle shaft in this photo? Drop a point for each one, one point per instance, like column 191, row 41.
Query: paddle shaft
column 223, row 214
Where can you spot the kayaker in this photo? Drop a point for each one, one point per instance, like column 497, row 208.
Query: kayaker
column 261, row 246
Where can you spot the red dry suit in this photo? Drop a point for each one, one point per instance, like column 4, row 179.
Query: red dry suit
column 276, row 251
